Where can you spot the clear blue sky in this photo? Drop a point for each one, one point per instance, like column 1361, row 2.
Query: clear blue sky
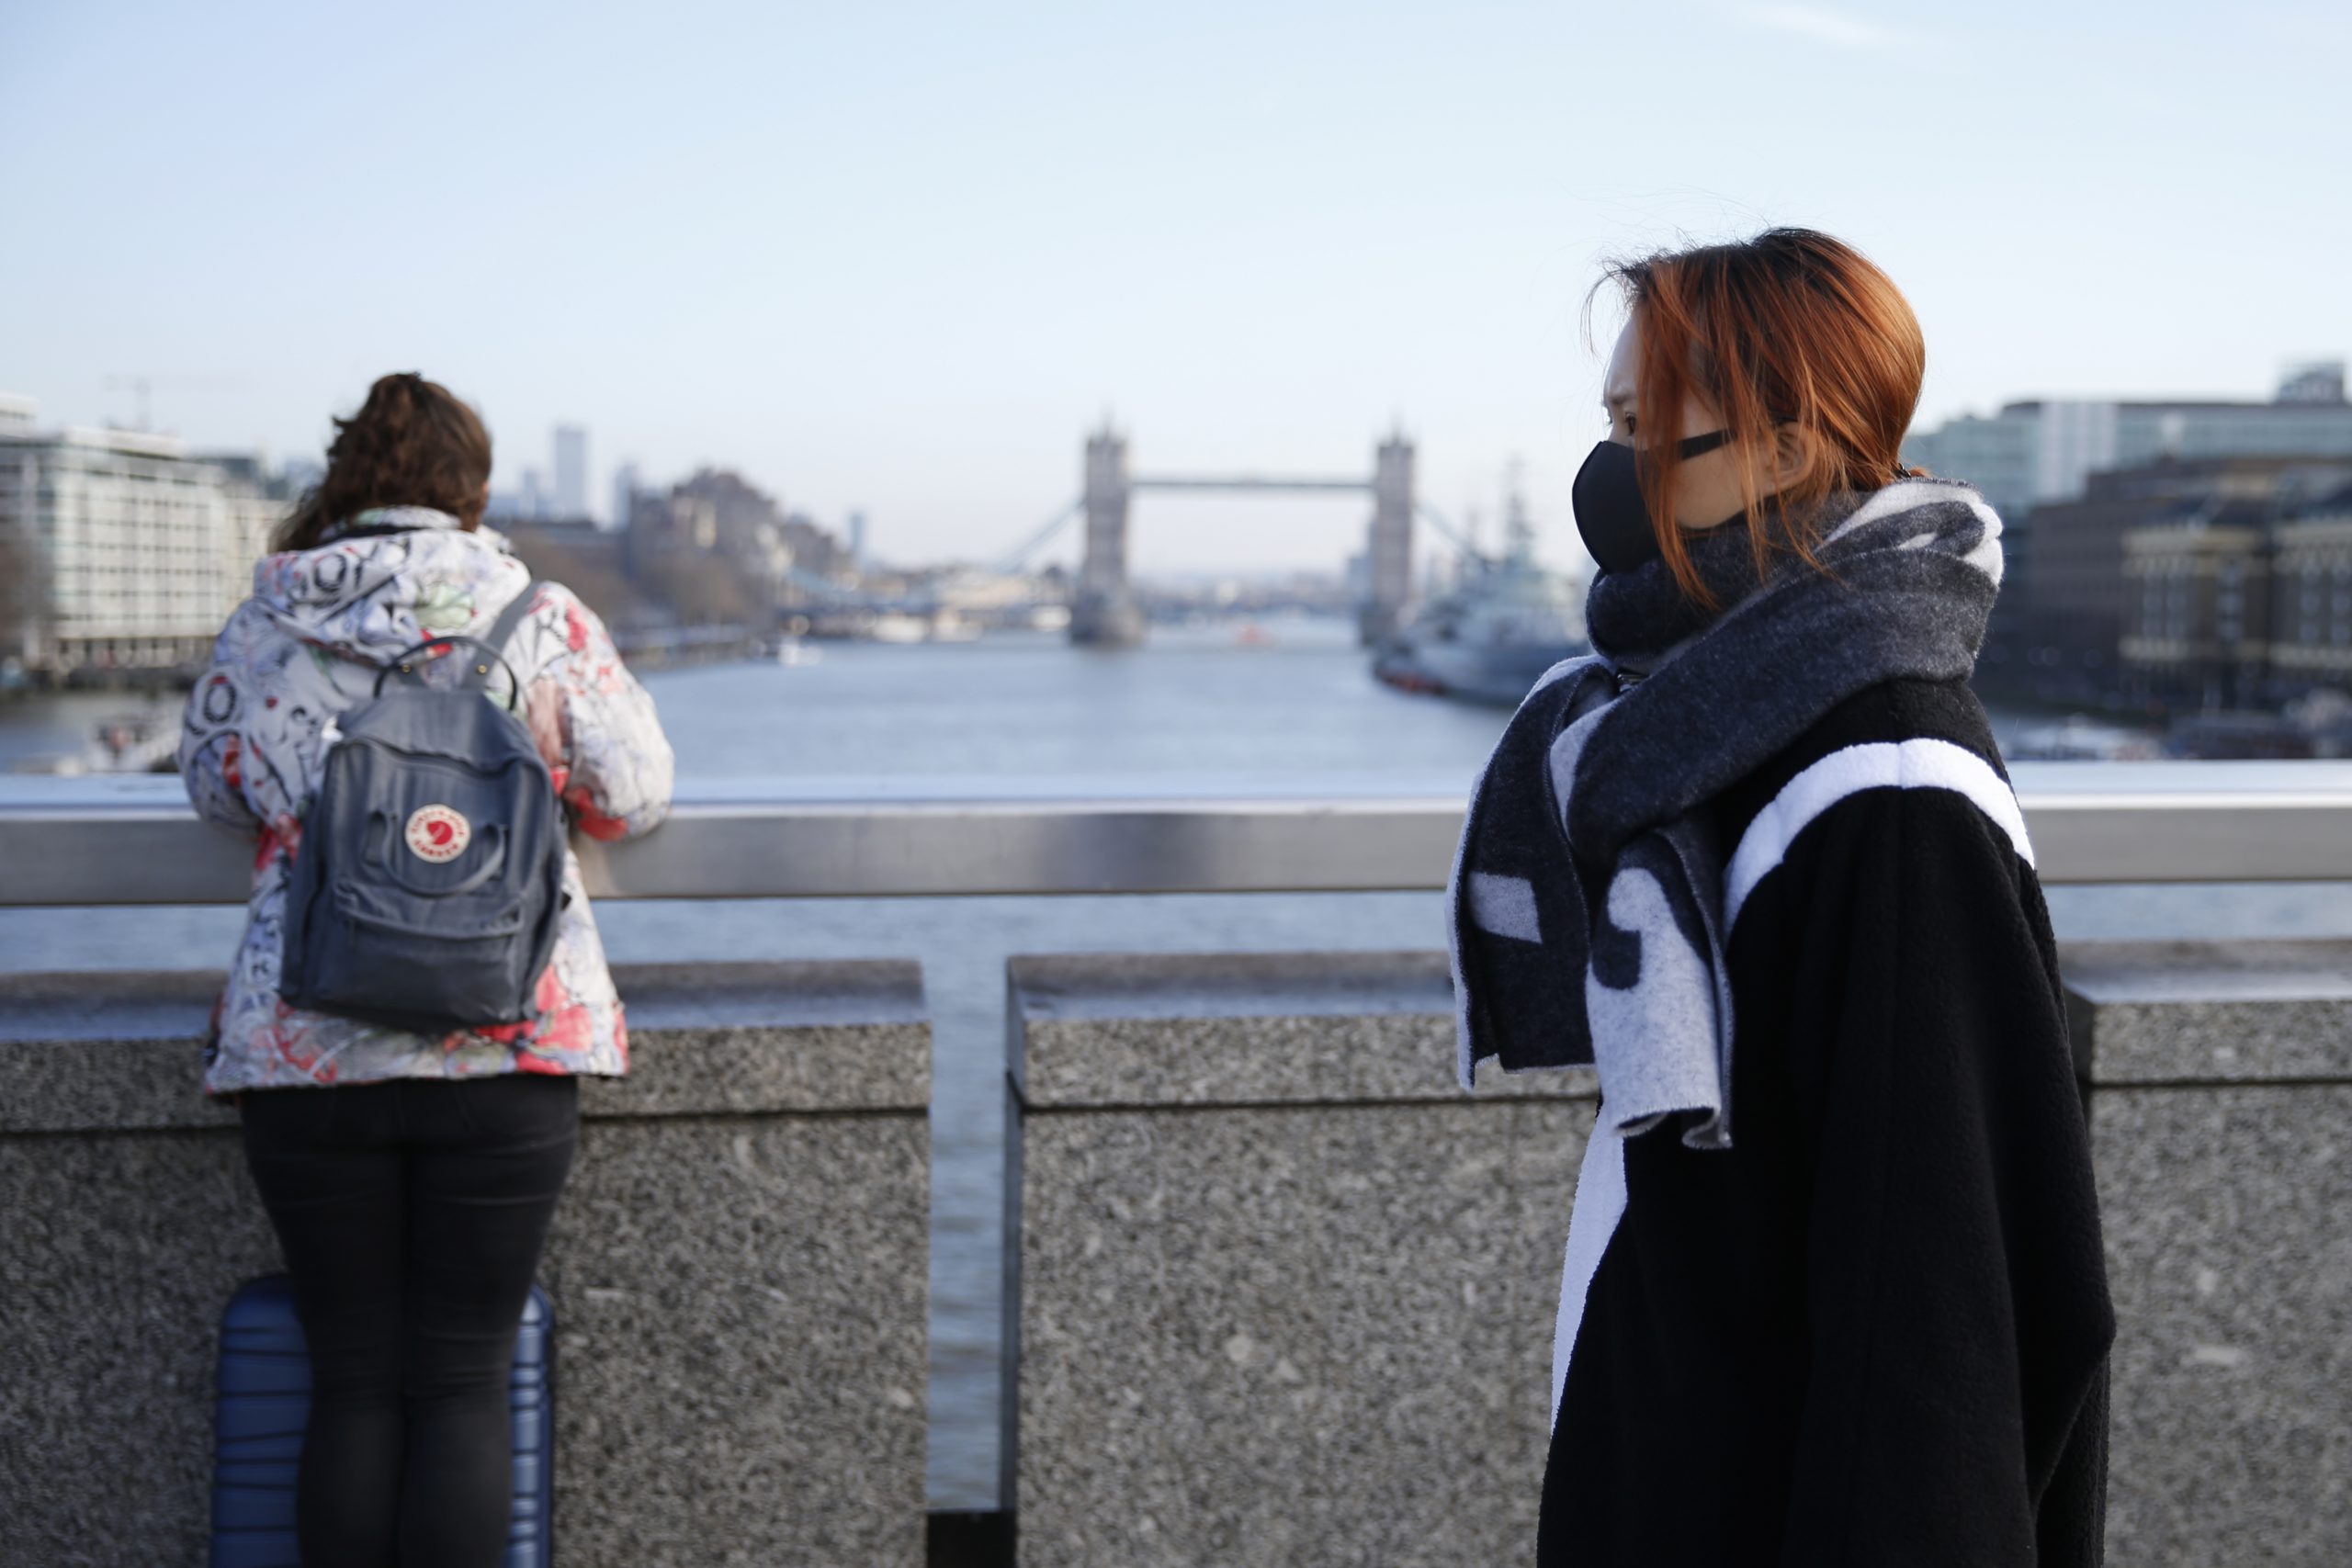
column 902, row 256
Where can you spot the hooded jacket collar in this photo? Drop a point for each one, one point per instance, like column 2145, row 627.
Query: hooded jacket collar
column 391, row 578
column 390, row 520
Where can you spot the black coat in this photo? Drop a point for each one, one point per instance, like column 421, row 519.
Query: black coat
column 1875, row 1330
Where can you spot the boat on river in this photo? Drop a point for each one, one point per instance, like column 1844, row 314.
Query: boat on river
column 136, row 742
column 1492, row 635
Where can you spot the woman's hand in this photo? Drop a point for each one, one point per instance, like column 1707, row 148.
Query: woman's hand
column 543, row 710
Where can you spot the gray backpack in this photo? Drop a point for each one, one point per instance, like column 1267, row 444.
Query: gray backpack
column 430, row 875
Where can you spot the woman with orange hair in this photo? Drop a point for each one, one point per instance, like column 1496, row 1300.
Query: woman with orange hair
column 1834, row 1290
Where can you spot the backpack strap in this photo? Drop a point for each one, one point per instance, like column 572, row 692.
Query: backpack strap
column 502, row 632
column 493, row 641
column 510, row 620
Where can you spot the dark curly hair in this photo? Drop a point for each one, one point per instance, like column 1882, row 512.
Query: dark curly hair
column 412, row 443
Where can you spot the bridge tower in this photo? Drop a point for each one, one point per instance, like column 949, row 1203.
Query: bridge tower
column 1388, row 543
column 1105, row 614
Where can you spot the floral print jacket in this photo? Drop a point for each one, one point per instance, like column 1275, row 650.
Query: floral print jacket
column 321, row 624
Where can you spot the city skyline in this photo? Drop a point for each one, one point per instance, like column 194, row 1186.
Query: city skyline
column 901, row 266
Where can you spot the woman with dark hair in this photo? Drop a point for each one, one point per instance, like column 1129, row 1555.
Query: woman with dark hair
column 411, row 1178
column 1834, row 1290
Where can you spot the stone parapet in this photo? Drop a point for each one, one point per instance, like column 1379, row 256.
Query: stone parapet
column 1284, row 1293
column 2222, row 1097
column 1253, row 1223
column 2210, row 1013
column 739, row 1270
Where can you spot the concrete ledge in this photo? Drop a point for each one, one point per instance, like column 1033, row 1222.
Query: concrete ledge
column 1246, row 1029
column 703, row 1040
column 1248, row 1216
column 738, row 1267
column 2210, row 1011
column 118, row 1052
column 2223, row 1076
column 1251, row 1225
column 106, row 1052
column 117, row 1254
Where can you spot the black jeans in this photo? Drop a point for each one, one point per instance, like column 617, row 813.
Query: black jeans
column 412, row 1213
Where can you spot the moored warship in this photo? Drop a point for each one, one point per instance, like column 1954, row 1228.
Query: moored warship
column 1494, row 634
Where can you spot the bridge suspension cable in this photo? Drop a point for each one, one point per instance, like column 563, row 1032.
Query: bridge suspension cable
column 1436, row 519
column 1016, row 558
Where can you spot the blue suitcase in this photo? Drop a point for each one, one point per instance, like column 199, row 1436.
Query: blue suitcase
column 264, row 1400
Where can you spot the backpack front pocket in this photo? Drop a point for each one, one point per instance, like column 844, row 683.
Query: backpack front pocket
column 391, row 964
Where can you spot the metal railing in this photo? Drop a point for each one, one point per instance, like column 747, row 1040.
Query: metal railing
column 88, row 842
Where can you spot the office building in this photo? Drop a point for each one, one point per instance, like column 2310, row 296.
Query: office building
column 2240, row 601
column 2065, row 632
column 2044, row 452
column 813, row 550
column 124, row 549
column 2196, row 604
column 719, row 523
column 626, row 484
column 2311, row 606
column 570, row 498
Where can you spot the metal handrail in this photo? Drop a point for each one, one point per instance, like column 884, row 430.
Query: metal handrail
column 135, row 841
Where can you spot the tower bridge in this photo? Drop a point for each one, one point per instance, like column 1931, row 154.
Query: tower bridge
column 1103, row 609
column 1105, row 612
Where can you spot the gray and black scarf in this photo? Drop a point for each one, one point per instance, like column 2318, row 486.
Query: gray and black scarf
column 1585, row 906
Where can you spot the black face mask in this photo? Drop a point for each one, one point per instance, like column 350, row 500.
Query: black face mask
column 1611, row 512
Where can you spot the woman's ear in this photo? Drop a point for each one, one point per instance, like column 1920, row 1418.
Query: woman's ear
column 1794, row 452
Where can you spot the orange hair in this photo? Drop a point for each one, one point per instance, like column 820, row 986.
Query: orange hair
column 1791, row 328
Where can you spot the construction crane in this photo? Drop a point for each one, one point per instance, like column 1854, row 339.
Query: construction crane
column 142, row 389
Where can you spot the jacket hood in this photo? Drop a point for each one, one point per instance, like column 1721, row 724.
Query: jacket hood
column 389, row 580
